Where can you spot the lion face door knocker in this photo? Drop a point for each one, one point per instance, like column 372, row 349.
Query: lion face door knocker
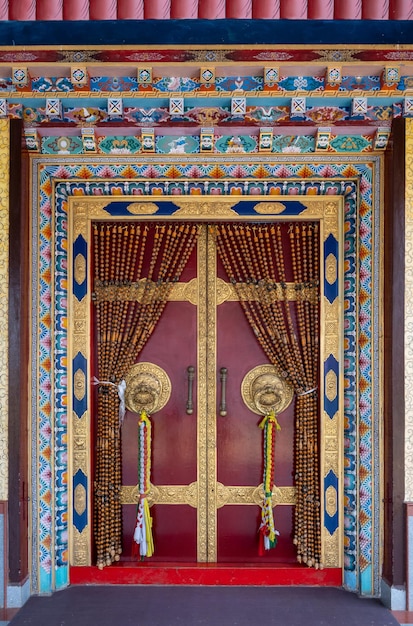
column 148, row 389
column 266, row 394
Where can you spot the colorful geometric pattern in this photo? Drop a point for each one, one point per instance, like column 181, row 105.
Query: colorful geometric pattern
column 125, row 177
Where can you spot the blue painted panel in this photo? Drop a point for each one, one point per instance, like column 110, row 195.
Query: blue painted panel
column 79, row 521
column 80, row 247
column 331, row 247
column 366, row 581
column 80, row 405
column 205, row 32
column 291, row 207
column 331, row 522
column 331, row 406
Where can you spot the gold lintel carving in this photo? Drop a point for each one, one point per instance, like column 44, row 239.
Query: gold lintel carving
column 269, row 208
column 143, row 208
column 205, row 209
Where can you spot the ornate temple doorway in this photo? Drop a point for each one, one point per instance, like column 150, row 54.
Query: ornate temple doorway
column 207, row 459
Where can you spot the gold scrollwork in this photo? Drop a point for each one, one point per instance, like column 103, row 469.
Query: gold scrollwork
column 163, row 494
column 80, row 499
column 331, row 269
column 143, row 208
column 331, row 501
column 204, row 209
column 79, row 384
column 252, row 495
column 269, row 208
column 331, row 548
column 79, row 268
column 331, row 385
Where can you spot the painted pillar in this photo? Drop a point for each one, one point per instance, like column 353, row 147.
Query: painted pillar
column 102, row 9
column 266, row 9
column 157, row 9
column 22, row 9
column 321, row 9
column 4, row 10
column 184, row 9
column 375, row 10
column 49, row 9
column 408, row 358
column 239, row 9
column 347, row 10
column 401, row 10
column 130, row 9
column 293, row 9
column 211, row 9
column 75, row 9
column 4, row 351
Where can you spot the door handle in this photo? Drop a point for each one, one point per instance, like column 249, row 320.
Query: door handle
column 190, row 403
column 223, row 377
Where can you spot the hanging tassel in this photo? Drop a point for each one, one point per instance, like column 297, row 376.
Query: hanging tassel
column 267, row 531
column 142, row 536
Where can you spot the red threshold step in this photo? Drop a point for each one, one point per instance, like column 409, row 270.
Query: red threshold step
column 205, row 574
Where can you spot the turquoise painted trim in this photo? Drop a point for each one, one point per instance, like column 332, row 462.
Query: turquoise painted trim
column 62, row 577
column 366, row 580
column 45, row 581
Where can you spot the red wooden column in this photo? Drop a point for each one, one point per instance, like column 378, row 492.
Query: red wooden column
column 157, row 9
column 211, row 9
column 49, row 9
column 347, row 10
column 266, row 9
column 184, row 9
column 321, row 9
column 22, row 9
column 375, row 10
column 102, row 9
column 4, row 10
column 293, row 9
column 130, row 9
column 75, row 9
column 401, row 10
column 239, row 9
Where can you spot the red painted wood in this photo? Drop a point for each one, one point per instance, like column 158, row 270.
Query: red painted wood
column 49, row 9
column 75, row 9
column 4, row 10
column 266, row 9
column 401, row 10
column 239, row 9
column 205, row 574
column 375, row 10
column 347, row 10
column 103, row 9
column 239, row 444
column 173, row 347
column 184, row 9
column 293, row 9
column 211, row 9
column 130, row 9
column 320, row 9
column 157, row 9
column 22, row 9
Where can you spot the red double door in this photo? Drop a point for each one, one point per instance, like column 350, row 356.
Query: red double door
column 206, row 467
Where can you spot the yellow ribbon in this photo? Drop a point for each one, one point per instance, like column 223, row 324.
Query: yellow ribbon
column 270, row 417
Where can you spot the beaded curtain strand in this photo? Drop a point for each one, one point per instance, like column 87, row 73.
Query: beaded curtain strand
column 254, row 260
column 153, row 256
